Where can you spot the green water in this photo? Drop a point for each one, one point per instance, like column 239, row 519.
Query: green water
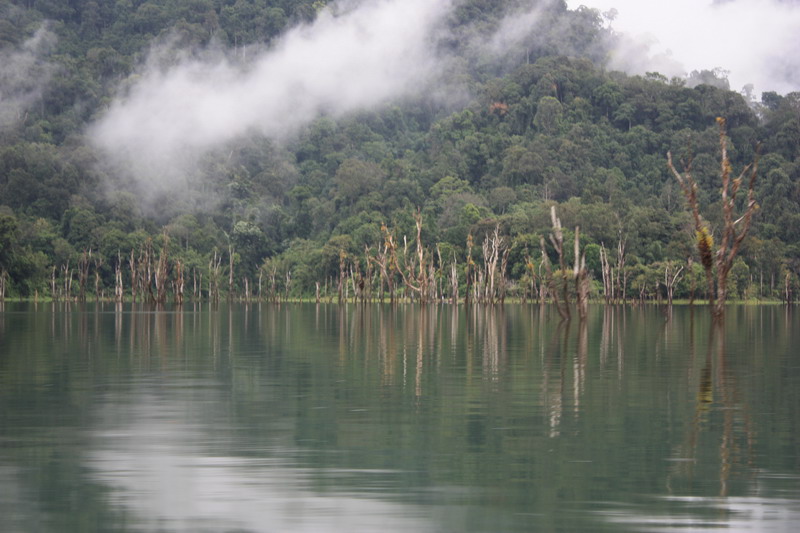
column 306, row 418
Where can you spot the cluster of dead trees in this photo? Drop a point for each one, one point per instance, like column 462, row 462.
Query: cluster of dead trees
column 414, row 272
column 398, row 270
column 153, row 277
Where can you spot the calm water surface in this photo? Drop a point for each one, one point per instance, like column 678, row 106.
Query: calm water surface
column 306, row 418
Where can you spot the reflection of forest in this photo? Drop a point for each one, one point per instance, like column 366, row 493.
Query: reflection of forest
column 507, row 401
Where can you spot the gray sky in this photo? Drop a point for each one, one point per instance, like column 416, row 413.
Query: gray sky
column 757, row 41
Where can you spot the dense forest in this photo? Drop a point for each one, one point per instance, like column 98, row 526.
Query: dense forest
column 461, row 191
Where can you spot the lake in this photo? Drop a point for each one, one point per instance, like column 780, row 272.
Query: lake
column 361, row 418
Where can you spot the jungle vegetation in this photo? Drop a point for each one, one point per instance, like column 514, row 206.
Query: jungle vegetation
column 476, row 198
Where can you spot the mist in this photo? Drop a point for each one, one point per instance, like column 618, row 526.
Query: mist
column 24, row 74
column 365, row 55
column 755, row 41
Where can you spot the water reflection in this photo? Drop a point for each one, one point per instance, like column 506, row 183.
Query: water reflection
column 170, row 475
column 688, row 514
column 446, row 418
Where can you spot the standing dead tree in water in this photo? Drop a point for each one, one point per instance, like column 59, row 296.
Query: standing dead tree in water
column 581, row 277
column 214, row 269
column 161, row 271
column 494, row 250
column 734, row 229
column 119, row 293
column 470, row 270
column 557, row 240
column 83, row 273
column 383, row 259
column 98, row 262
column 414, row 271
column 672, row 275
column 608, row 280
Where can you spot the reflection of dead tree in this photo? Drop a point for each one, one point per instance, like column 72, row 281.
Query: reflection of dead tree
column 579, row 365
column 734, row 230
column 553, row 393
column 718, row 384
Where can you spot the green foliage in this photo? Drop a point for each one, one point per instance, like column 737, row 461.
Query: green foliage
column 541, row 128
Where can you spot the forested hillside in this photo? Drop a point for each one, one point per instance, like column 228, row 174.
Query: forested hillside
column 509, row 133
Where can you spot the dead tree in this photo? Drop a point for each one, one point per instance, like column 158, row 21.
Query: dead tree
column 454, row 281
column 98, row 262
column 179, row 283
column 383, row 259
column 132, row 266
column 230, row 271
column 530, row 266
column 3, row 279
column 214, row 268
column 53, row 287
column 621, row 284
column 160, row 272
column 671, row 278
column 734, row 228
column 414, row 271
column 118, row 289
column 557, row 240
column 470, row 270
column 608, row 282
column 581, row 276
column 83, row 273
column 342, row 274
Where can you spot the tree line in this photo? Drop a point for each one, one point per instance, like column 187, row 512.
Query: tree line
column 420, row 199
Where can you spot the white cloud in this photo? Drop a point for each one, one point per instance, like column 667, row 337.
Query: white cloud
column 372, row 53
column 24, row 73
column 755, row 40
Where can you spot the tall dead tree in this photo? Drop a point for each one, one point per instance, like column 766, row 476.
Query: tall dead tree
column 557, row 240
column 581, row 277
column 672, row 275
column 605, row 265
column 83, row 273
column 734, row 228
column 118, row 289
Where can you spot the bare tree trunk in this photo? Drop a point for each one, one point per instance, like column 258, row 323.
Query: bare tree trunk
column 732, row 233
column 83, row 273
column 557, row 239
column 581, row 278
column 230, row 271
